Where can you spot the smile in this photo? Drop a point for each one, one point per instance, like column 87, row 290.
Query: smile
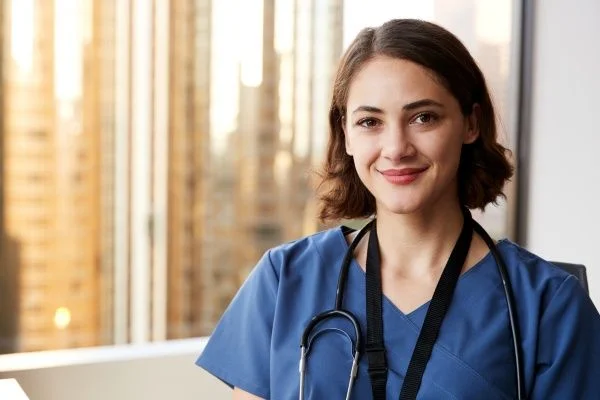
column 402, row 176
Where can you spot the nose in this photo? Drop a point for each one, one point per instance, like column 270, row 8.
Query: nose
column 396, row 144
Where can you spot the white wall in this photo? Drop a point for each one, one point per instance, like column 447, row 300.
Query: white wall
column 564, row 212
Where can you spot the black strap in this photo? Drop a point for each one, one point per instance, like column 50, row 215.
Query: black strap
column 374, row 346
column 438, row 307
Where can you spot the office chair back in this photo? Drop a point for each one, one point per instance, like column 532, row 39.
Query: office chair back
column 575, row 269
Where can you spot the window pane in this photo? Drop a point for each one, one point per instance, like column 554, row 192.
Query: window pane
column 150, row 153
column 251, row 173
column 51, row 249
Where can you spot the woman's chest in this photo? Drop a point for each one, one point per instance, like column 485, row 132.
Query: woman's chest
column 472, row 357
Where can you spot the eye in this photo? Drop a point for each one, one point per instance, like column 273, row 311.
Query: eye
column 367, row 122
column 425, row 118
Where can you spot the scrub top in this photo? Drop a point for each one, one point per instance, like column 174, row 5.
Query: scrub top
column 256, row 344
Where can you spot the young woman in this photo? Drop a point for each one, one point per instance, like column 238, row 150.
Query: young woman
column 413, row 146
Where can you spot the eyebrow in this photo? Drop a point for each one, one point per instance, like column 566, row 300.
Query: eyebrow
column 407, row 107
column 422, row 103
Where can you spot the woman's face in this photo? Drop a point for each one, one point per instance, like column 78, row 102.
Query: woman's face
column 405, row 132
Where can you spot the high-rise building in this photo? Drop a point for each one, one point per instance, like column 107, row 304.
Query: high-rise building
column 258, row 140
column 5, row 325
column 50, row 174
column 308, row 65
column 9, row 247
column 189, row 180
column 105, row 56
column 283, row 123
column 255, row 192
column 128, row 211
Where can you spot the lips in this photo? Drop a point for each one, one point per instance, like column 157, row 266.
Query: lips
column 403, row 171
column 402, row 176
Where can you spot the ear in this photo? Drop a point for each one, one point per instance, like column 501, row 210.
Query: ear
column 346, row 141
column 472, row 128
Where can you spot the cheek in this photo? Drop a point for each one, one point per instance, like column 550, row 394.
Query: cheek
column 444, row 149
column 364, row 160
column 448, row 159
column 365, row 151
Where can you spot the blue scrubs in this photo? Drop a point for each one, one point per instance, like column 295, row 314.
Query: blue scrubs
column 255, row 346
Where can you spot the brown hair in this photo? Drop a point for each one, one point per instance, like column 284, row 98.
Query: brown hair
column 484, row 166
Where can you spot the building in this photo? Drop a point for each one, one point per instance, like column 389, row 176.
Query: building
column 256, row 192
column 105, row 58
column 258, row 141
column 128, row 213
column 283, row 123
column 189, row 179
column 8, row 325
column 50, row 178
column 308, row 65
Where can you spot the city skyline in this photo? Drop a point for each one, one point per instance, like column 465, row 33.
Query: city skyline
column 149, row 157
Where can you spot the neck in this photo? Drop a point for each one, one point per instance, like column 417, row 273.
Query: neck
column 419, row 244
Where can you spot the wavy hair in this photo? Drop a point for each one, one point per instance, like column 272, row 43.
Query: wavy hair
column 484, row 165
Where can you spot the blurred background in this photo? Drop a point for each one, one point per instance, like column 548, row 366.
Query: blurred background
column 152, row 150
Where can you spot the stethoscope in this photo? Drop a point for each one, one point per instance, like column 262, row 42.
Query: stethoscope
column 339, row 312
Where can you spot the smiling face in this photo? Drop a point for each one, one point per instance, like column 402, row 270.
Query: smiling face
column 405, row 132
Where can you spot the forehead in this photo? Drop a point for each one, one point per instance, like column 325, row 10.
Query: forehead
column 391, row 81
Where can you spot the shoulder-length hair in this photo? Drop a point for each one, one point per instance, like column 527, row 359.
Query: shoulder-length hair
column 484, row 167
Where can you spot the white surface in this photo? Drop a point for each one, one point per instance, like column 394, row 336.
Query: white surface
column 94, row 355
column 154, row 371
column 10, row 390
column 564, row 214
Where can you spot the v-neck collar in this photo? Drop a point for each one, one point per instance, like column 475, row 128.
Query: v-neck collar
column 417, row 315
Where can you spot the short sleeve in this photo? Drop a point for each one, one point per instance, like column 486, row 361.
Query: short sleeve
column 238, row 351
column 568, row 356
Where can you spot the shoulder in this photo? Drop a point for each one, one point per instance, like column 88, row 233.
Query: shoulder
column 534, row 278
column 528, row 265
column 306, row 252
column 307, row 259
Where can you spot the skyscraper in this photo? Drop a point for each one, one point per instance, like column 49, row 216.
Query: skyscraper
column 283, row 125
column 105, row 57
column 9, row 248
column 258, row 135
column 50, row 175
column 308, row 69
column 229, row 204
column 189, row 160
column 129, row 212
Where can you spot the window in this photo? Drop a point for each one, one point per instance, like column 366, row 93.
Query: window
column 176, row 151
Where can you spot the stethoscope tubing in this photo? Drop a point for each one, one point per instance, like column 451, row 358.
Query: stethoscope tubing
column 338, row 312
column 510, row 304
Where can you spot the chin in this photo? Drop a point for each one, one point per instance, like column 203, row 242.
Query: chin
column 400, row 208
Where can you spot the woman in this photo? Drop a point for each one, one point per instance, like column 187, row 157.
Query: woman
column 414, row 144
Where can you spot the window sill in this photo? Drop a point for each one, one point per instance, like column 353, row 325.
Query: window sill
column 95, row 355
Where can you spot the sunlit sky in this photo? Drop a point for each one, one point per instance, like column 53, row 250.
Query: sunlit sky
column 70, row 31
column 22, row 34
